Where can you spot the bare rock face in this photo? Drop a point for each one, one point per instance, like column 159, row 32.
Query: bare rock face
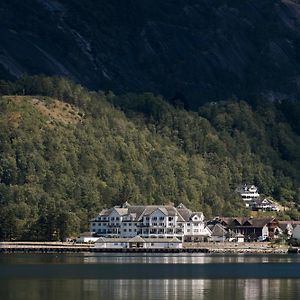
column 202, row 50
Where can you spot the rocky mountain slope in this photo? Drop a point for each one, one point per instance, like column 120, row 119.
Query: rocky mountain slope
column 200, row 50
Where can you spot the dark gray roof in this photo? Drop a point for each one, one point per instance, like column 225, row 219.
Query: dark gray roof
column 218, row 230
column 138, row 211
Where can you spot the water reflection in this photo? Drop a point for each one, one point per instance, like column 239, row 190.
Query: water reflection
column 123, row 276
column 250, row 289
column 145, row 258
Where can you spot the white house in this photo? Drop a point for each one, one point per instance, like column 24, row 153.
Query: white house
column 249, row 194
column 150, row 221
column 138, row 242
column 266, row 204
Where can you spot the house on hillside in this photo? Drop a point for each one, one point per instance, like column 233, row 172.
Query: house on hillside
column 249, row 194
column 252, row 199
column 264, row 205
column 150, row 221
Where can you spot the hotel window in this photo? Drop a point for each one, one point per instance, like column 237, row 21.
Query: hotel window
column 161, row 218
column 129, row 224
column 170, row 218
column 94, row 224
column 196, row 230
column 154, row 218
column 129, row 230
column 188, row 230
column 147, row 218
column 117, row 218
column 125, row 230
column 112, row 218
column 188, row 224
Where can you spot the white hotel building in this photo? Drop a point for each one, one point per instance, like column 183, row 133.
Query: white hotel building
column 150, row 221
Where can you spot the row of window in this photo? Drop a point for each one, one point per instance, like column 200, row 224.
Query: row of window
column 147, row 224
column 147, row 218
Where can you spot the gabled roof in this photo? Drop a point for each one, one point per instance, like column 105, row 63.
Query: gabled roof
column 136, row 239
column 139, row 211
column 101, row 240
column 175, row 240
column 218, row 230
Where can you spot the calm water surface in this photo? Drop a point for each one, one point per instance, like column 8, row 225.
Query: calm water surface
column 145, row 276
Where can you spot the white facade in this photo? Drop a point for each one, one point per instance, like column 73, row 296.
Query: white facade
column 150, row 222
column 296, row 232
column 86, row 237
column 249, row 194
column 138, row 242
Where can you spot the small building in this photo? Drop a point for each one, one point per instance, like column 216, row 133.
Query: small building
column 138, row 242
column 253, row 229
column 296, row 232
column 264, row 205
column 86, row 237
column 220, row 233
column 285, row 227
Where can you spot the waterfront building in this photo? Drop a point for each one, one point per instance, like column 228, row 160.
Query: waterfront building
column 86, row 237
column 253, row 229
column 150, row 221
column 138, row 242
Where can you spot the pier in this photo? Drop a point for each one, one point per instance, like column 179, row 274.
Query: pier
column 86, row 248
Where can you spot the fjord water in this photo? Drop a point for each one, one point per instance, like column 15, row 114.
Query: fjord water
column 144, row 276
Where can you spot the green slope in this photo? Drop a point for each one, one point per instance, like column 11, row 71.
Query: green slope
column 65, row 153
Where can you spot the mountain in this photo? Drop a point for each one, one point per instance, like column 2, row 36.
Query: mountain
column 66, row 152
column 190, row 51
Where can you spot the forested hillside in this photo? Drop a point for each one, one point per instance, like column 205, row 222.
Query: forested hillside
column 65, row 153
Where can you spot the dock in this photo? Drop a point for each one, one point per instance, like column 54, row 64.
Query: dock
column 86, row 248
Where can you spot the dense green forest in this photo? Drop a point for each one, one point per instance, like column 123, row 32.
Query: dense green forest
column 66, row 152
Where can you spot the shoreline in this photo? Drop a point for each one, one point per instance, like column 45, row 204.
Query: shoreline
column 207, row 248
